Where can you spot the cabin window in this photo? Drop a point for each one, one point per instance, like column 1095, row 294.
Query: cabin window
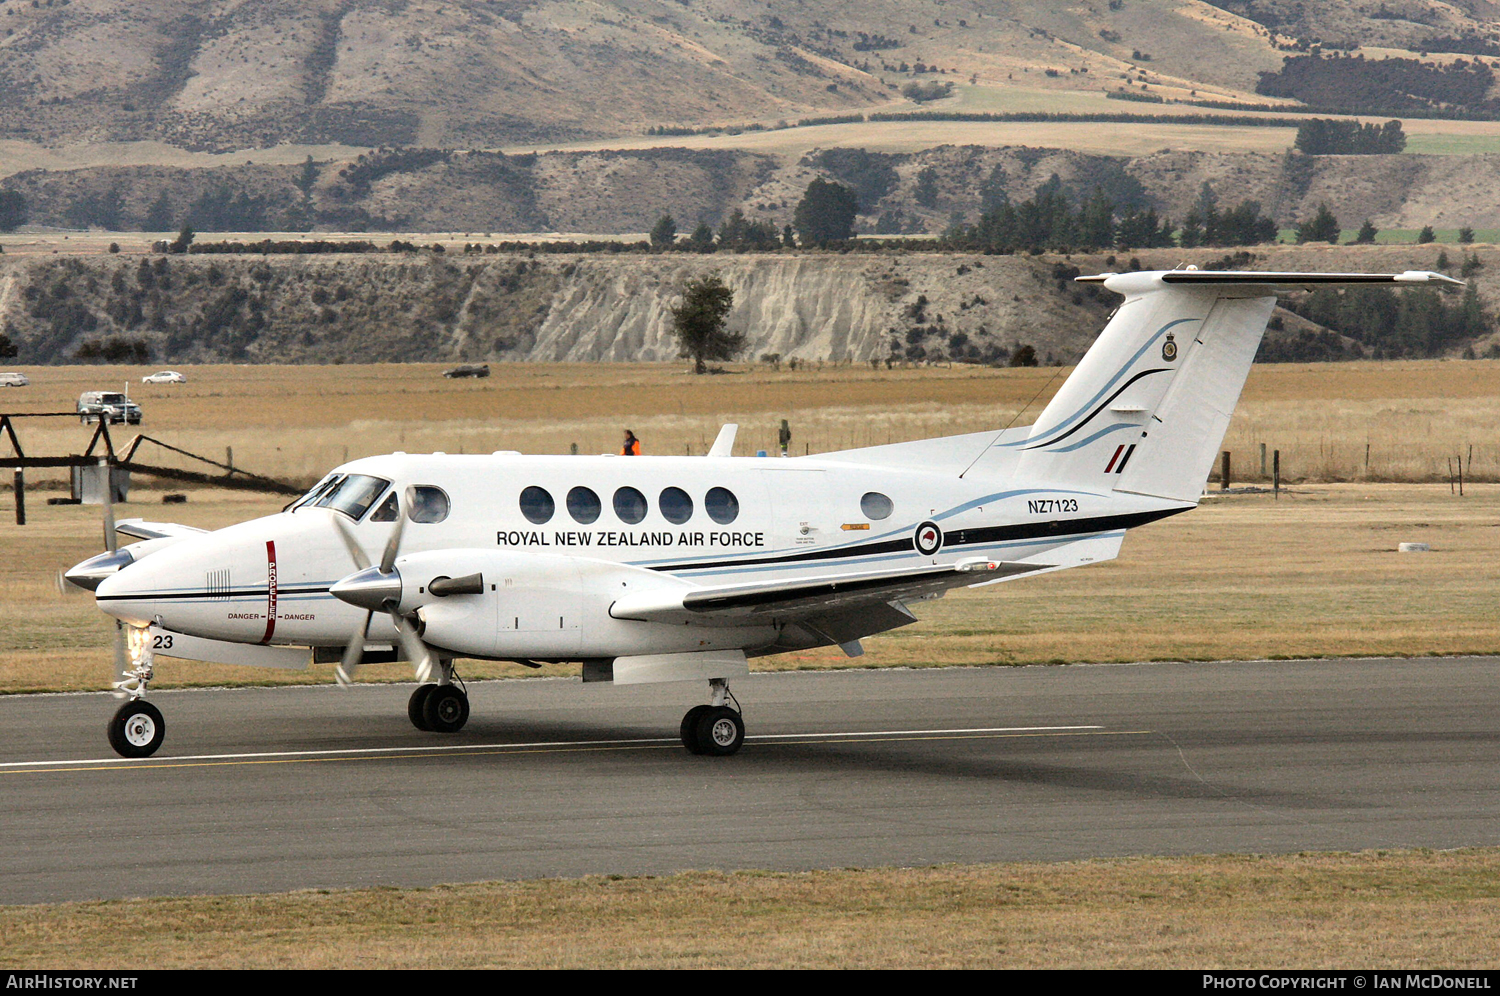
column 630, row 505
column 721, row 505
column 676, row 507
column 353, row 495
column 583, row 505
column 426, row 503
column 876, row 505
column 537, row 504
column 388, row 510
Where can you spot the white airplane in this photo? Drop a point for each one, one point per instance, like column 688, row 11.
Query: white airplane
column 656, row 569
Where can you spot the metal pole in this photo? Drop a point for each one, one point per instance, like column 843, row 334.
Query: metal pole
column 20, row 497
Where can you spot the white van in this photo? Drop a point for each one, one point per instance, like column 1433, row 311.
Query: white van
column 13, row 379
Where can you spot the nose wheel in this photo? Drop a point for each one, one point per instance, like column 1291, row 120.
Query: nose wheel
column 137, row 729
column 716, row 729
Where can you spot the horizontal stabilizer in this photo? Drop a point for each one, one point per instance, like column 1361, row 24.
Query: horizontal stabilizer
column 1139, row 281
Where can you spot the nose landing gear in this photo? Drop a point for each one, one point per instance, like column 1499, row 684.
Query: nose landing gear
column 137, row 729
column 715, row 729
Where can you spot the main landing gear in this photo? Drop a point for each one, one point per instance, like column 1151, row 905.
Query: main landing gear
column 440, row 708
column 716, row 728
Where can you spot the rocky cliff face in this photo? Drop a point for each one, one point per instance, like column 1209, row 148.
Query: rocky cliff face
column 426, row 306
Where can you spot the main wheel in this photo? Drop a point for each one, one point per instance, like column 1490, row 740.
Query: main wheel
column 690, row 728
column 720, row 731
column 446, row 709
column 415, row 704
column 137, row 729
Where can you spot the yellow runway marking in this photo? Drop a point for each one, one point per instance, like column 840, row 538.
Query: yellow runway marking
column 856, row 738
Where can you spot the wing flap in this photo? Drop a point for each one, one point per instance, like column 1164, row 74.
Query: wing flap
column 807, row 597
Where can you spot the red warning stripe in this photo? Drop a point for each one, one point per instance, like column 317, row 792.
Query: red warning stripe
column 270, row 592
column 1118, row 450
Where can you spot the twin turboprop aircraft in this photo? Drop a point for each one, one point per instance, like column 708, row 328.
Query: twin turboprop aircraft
column 657, row 569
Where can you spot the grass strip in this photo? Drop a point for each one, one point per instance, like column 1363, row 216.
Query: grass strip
column 1373, row 909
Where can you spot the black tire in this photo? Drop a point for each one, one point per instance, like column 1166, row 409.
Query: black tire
column 690, row 728
column 445, row 710
column 414, row 707
column 720, row 731
column 137, row 729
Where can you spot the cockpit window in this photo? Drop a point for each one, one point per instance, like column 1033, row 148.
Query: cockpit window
column 353, row 495
column 317, row 490
column 425, row 503
column 388, row 510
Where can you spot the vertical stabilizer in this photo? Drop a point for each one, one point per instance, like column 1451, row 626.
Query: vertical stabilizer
column 1148, row 406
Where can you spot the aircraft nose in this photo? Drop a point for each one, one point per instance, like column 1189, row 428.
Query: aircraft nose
column 369, row 589
column 91, row 573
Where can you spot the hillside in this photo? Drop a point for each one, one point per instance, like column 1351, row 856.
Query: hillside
column 247, row 74
column 430, row 307
column 609, row 192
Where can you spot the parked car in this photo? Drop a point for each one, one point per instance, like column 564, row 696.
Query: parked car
column 98, row 406
column 469, row 370
column 164, row 377
column 13, row 379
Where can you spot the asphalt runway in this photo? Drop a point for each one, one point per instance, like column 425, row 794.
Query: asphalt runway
column 270, row 789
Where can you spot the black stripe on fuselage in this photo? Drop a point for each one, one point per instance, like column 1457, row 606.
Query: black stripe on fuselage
column 1052, row 528
column 226, row 596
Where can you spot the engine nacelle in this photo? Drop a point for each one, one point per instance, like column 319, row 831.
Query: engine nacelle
column 526, row 605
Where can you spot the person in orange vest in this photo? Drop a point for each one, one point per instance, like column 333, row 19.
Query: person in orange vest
column 632, row 445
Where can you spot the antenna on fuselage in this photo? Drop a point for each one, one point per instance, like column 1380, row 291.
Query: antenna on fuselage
column 724, row 445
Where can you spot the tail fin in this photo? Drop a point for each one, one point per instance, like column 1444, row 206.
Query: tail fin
column 1148, row 406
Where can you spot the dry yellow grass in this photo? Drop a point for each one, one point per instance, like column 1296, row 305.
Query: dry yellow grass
column 1403, row 909
column 296, row 422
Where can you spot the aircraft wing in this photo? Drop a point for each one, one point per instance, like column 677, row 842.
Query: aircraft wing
column 141, row 529
column 805, row 598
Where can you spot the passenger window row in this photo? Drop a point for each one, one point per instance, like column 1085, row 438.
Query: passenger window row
column 630, row 506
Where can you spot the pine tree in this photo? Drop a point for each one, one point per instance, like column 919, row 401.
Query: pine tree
column 664, row 232
column 1367, row 233
column 1323, row 227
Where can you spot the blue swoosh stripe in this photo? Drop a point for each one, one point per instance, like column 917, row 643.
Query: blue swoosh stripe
column 1108, row 384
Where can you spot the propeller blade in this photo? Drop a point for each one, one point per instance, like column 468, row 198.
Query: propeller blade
column 122, row 659
column 111, row 540
column 346, row 533
column 416, row 650
column 393, row 544
column 353, row 654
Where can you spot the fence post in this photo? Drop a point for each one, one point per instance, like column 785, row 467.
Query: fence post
column 20, row 497
column 1276, row 475
column 1262, row 460
column 1224, row 473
